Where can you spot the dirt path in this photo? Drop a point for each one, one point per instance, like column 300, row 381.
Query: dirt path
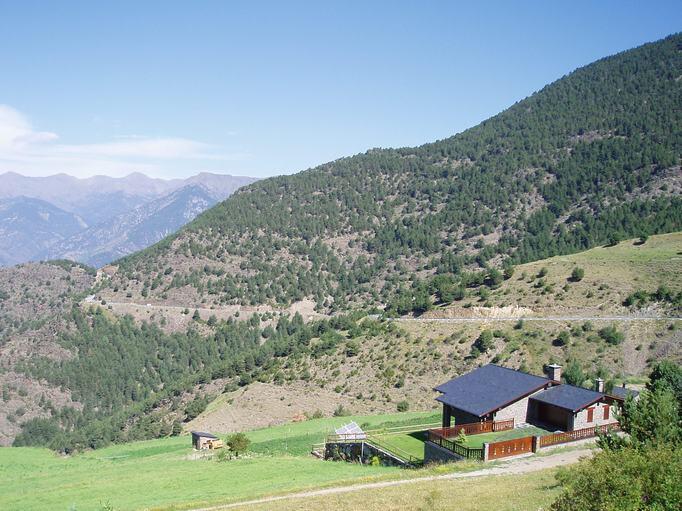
column 517, row 466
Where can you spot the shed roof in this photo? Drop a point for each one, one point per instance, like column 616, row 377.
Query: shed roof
column 568, row 397
column 623, row 392
column 489, row 388
column 202, row 434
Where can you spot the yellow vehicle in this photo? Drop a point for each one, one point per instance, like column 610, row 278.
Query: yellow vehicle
column 215, row 444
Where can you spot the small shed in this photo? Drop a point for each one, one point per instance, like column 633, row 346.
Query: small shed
column 201, row 440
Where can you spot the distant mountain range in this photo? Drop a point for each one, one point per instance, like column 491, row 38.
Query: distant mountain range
column 99, row 219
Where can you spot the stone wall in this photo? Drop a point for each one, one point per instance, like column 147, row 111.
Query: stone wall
column 580, row 418
column 517, row 410
column 359, row 452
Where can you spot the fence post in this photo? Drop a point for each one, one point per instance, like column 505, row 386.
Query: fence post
column 536, row 443
column 486, row 449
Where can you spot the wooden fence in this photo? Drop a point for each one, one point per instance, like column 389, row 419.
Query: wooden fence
column 469, row 453
column 508, row 448
column 475, row 428
column 578, row 434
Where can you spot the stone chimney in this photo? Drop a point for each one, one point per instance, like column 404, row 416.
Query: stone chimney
column 554, row 372
column 599, row 385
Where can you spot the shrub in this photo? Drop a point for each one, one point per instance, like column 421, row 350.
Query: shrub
column 577, row 274
column 352, row 348
column 176, row 429
column 626, row 479
column 611, row 335
column 574, row 374
column 341, row 411
column 484, row 342
column 562, row 339
column 195, row 407
column 403, row 406
column 238, row 442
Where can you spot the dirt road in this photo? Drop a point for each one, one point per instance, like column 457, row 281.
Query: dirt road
column 517, row 466
column 545, row 318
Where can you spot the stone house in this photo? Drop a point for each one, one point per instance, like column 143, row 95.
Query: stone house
column 497, row 393
column 201, row 440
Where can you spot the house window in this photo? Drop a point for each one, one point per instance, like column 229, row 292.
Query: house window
column 590, row 414
column 606, row 412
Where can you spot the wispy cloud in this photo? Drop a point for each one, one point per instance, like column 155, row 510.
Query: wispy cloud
column 30, row 151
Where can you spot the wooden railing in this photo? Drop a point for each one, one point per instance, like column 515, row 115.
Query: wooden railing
column 578, row 434
column 469, row 453
column 475, row 428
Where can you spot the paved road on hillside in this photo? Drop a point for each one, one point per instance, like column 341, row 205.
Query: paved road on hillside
column 91, row 299
column 543, row 318
column 517, row 466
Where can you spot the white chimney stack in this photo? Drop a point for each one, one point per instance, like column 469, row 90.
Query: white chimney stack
column 554, row 372
column 599, row 385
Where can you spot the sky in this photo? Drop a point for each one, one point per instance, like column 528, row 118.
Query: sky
column 254, row 88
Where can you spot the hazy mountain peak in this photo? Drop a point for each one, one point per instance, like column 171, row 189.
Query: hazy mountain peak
column 96, row 207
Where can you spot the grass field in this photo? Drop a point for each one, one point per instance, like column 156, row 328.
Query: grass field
column 162, row 474
column 410, row 443
column 522, row 492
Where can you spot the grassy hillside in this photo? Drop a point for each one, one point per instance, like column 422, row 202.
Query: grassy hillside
column 374, row 367
column 270, row 370
column 608, row 276
column 167, row 474
column 591, row 157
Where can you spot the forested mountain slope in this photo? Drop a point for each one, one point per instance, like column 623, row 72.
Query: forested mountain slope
column 35, row 299
column 589, row 159
column 593, row 157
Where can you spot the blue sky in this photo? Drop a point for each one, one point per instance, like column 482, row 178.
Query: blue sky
column 264, row 88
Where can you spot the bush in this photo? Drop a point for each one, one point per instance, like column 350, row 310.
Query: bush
column 341, row 411
column 195, row 407
column 562, row 339
column 403, row 406
column 577, row 274
column 625, row 479
column 352, row 348
column 611, row 335
column 484, row 342
column 574, row 374
column 176, row 429
column 238, row 442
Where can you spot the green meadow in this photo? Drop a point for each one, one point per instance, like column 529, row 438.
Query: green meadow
column 168, row 474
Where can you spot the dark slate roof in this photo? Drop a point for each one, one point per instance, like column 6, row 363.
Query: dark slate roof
column 622, row 392
column 568, row 397
column 488, row 388
column 202, row 434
